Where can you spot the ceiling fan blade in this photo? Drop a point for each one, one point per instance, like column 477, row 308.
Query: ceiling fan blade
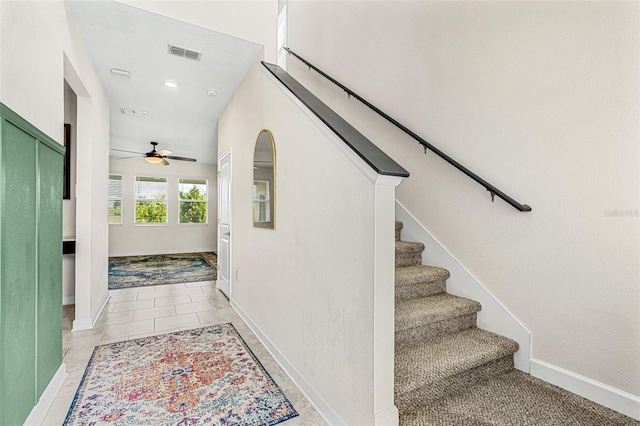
column 172, row 157
column 124, row 150
column 126, row 158
column 164, row 152
column 165, row 162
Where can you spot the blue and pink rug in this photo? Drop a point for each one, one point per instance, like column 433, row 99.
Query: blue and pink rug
column 141, row 271
column 205, row 376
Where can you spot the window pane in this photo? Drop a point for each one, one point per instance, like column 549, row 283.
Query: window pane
column 151, row 212
column 115, row 212
column 115, row 199
column 150, row 188
column 193, row 189
column 151, row 199
column 193, row 212
column 115, row 186
column 193, row 200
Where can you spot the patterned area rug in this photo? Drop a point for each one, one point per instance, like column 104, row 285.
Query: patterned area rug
column 140, row 271
column 193, row 377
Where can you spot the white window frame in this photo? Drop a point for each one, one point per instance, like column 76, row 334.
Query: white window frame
column 120, row 198
column 136, row 199
column 281, row 38
column 205, row 201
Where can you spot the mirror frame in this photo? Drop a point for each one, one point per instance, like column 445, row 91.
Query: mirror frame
column 272, row 224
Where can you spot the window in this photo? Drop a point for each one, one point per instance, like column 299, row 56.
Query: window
column 193, row 200
column 151, row 199
column 282, row 37
column 115, row 199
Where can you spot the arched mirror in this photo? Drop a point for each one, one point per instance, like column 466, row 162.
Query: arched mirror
column 264, row 181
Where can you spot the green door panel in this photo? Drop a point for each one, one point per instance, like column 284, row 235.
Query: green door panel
column 30, row 265
column 18, row 274
column 49, row 298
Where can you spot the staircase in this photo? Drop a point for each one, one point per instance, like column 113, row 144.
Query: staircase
column 439, row 349
column 449, row 372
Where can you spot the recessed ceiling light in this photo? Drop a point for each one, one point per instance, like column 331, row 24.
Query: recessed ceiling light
column 129, row 111
column 171, row 83
column 211, row 92
column 116, row 72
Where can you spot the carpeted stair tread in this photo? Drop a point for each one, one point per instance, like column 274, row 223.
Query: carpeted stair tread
column 408, row 253
column 418, row 398
column 427, row 310
column 447, row 355
column 408, row 247
column 514, row 398
column 409, row 275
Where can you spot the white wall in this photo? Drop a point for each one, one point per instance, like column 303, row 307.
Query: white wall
column 252, row 20
column 130, row 239
column 540, row 98
column 39, row 49
column 308, row 285
column 69, row 205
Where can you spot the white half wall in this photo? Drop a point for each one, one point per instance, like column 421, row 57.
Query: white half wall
column 130, row 239
column 541, row 99
column 308, row 287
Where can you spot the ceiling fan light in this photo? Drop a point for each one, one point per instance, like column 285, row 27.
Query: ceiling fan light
column 154, row 160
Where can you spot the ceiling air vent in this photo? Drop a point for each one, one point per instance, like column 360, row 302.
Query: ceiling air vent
column 184, row 53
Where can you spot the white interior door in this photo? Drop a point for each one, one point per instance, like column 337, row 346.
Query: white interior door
column 224, row 224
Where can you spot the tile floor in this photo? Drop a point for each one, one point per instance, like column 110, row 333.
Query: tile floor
column 145, row 311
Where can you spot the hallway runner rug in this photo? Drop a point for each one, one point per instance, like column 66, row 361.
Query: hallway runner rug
column 205, row 376
column 142, row 271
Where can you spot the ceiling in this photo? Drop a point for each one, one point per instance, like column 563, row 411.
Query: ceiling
column 183, row 119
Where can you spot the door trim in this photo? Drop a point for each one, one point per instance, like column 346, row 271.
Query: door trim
column 225, row 154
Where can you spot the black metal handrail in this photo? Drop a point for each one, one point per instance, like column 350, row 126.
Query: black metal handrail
column 493, row 190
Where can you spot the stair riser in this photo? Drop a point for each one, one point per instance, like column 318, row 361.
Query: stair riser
column 415, row 291
column 413, row 400
column 399, row 226
column 428, row 331
column 408, row 259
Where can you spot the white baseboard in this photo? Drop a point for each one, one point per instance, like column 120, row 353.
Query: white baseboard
column 82, row 324
column 593, row 390
column 154, row 252
column 389, row 417
column 68, row 300
column 38, row 413
column 88, row 323
column 325, row 411
column 494, row 316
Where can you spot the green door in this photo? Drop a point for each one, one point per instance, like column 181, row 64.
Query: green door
column 30, row 265
column 18, row 274
column 49, row 305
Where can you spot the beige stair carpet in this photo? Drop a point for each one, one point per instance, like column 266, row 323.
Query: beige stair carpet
column 449, row 372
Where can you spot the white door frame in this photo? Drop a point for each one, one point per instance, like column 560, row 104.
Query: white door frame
column 224, row 284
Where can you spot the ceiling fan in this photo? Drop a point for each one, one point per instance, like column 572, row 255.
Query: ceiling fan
column 156, row 157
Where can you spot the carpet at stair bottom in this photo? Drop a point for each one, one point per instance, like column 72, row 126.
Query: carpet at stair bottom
column 140, row 271
column 193, row 377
